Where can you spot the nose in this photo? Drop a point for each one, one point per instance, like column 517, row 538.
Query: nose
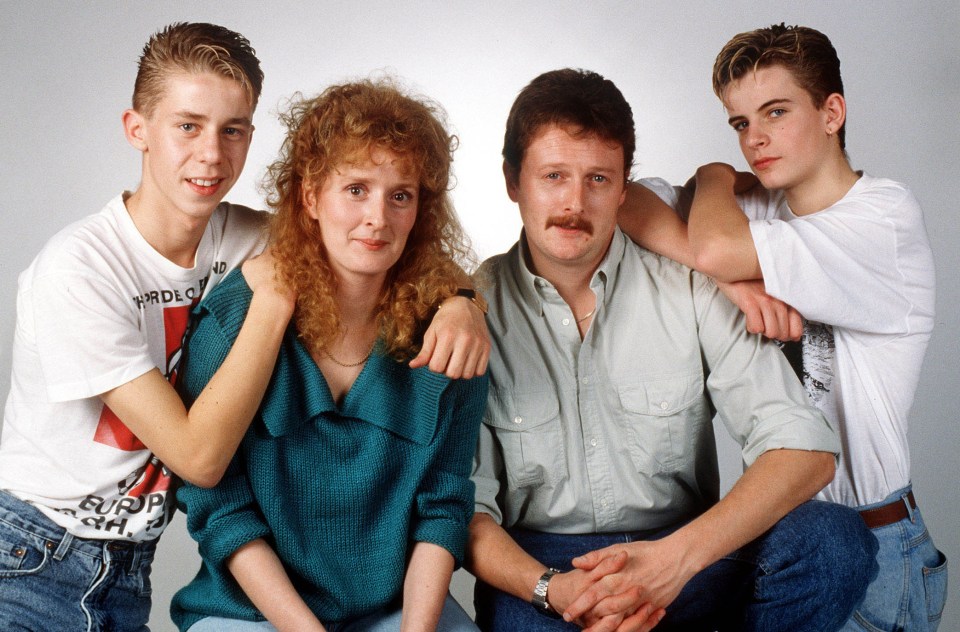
column 375, row 212
column 574, row 198
column 210, row 151
column 756, row 137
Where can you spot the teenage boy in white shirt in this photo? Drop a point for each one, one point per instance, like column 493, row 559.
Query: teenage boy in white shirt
column 848, row 252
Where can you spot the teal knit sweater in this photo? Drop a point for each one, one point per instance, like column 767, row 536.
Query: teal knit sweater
column 341, row 494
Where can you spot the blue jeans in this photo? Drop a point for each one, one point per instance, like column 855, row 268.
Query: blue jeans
column 911, row 589
column 805, row 574
column 452, row 619
column 50, row 580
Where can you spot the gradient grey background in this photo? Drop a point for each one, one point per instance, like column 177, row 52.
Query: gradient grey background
column 68, row 71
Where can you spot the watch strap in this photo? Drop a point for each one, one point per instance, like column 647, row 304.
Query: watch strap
column 539, row 599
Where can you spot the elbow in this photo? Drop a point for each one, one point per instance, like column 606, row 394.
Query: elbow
column 202, row 472
column 711, row 258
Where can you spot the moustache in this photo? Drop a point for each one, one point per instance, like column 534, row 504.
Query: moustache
column 570, row 222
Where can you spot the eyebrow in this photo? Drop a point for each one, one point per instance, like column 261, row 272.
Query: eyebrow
column 237, row 120
column 763, row 106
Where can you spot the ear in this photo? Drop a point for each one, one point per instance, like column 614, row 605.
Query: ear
column 511, row 177
column 134, row 129
column 308, row 197
column 835, row 112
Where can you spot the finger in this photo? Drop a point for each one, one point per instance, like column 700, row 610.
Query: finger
column 754, row 320
column 612, row 563
column 588, row 599
column 426, row 351
column 471, row 367
column 771, row 322
column 642, row 621
column 625, row 602
column 796, row 324
column 447, row 359
column 610, row 623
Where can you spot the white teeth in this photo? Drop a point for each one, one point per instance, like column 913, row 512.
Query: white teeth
column 203, row 183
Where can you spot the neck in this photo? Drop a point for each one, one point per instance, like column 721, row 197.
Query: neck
column 833, row 180
column 176, row 241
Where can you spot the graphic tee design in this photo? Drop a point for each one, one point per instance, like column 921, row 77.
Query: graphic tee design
column 98, row 308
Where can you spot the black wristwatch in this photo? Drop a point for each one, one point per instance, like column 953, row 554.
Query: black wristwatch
column 539, row 599
column 474, row 296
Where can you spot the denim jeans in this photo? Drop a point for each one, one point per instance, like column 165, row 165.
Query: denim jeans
column 911, row 589
column 805, row 574
column 452, row 619
column 50, row 580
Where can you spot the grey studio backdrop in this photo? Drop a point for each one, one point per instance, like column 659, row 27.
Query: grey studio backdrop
column 68, row 71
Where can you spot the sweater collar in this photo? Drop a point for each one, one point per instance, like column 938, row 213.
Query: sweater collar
column 387, row 394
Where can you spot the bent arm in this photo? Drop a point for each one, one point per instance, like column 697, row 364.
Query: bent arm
column 777, row 482
column 719, row 232
column 650, row 222
column 263, row 579
column 198, row 444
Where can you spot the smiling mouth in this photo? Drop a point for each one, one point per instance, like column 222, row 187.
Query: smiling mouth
column 204, row 183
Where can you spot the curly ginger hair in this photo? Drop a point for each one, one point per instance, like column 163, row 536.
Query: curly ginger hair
column 341, row 125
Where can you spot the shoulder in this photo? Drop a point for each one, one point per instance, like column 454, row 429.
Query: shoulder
column 83, row 247
column 888, row 197
column 240, row 227
column 228, row 303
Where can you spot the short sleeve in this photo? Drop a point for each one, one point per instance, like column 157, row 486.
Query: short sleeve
column 88, row 335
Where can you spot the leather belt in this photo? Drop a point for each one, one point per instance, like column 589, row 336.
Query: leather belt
column 888, row 514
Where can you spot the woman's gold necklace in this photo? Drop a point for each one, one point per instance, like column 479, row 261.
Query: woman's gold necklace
column 350, row 365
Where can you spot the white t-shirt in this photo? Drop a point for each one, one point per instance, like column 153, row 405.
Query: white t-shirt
column 861, row 273
column 97, row 308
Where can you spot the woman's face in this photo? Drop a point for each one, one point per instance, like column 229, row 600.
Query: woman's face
column 365, row 211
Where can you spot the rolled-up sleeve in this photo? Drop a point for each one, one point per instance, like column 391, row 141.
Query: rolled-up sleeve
column 446, row 496
column 753, row 388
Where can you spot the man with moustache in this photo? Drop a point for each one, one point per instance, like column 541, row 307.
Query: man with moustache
column 596, row 471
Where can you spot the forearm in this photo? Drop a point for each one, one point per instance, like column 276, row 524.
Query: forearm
column 263, row 579
column 222, row 412
column 719, row 233
column 776, row 483
column 650, row 222
column 495, row 558
column 425, row 587
column 198, row 445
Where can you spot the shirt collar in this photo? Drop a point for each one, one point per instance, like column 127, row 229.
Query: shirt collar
column 531, row 286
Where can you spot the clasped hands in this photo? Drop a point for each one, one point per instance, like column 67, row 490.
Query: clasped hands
column 620, row 588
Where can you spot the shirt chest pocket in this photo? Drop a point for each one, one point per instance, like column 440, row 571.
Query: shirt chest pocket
column 529, row 431
column 664, row 420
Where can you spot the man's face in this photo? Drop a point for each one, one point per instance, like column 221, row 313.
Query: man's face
column 194, row 145
column 782, row 134
column 569, row 189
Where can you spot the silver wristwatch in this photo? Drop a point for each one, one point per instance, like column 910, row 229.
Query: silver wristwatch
column 539, row 599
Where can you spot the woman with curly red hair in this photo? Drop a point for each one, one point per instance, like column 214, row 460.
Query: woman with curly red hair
column 348, row 502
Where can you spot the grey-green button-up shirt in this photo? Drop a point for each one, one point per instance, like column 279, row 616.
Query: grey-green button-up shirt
column 615, row 433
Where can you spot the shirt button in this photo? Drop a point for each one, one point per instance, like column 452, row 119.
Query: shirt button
column 585, row 380
column 518, row 419
column 565, row 321
column 603, row 503
column 664, row 405
column 593, row 441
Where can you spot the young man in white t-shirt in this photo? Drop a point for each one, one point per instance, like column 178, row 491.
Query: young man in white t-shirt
column 94, row 433
column 847, row 251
